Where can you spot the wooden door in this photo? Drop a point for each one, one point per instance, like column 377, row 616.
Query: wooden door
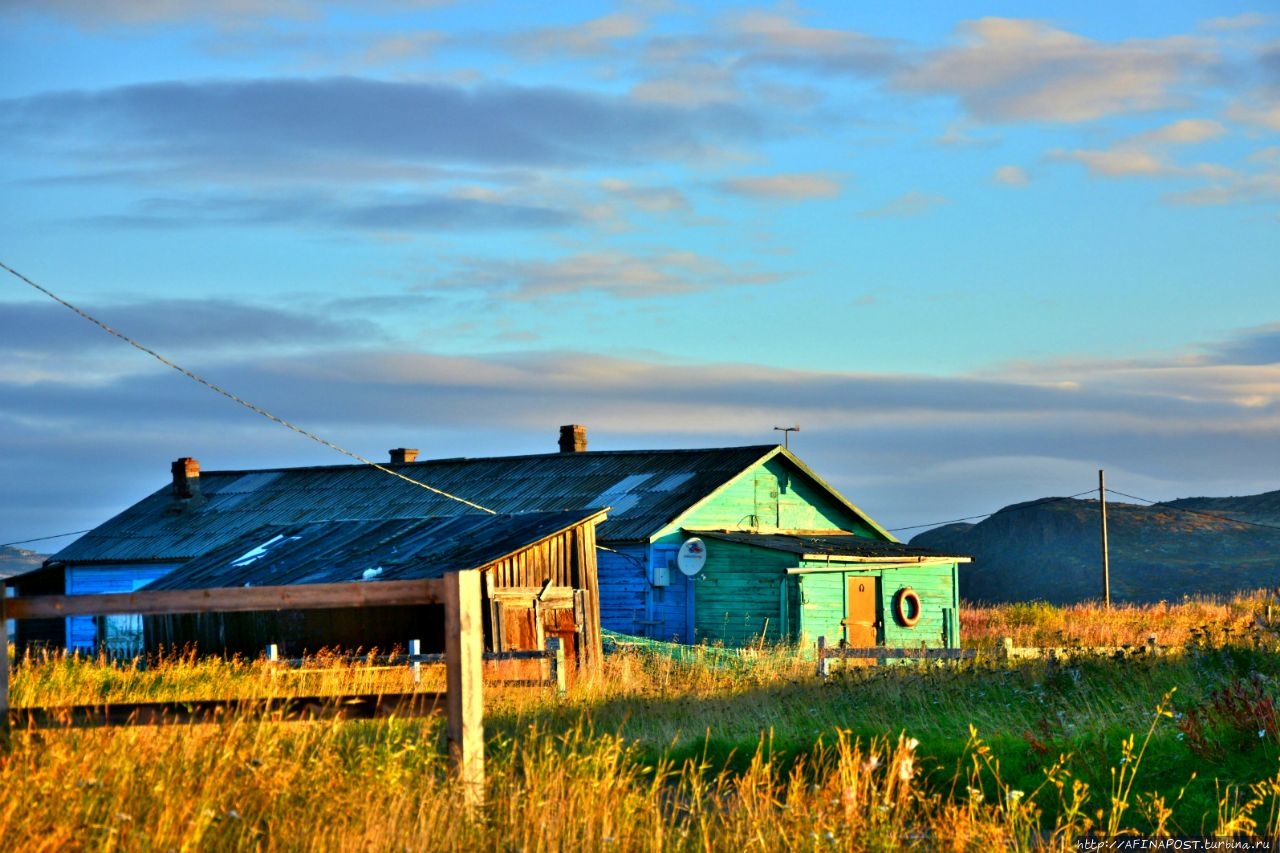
column 860, row 623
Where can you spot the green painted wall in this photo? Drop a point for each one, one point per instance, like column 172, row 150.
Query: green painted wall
column 770, row 496
column 823, row 604
column 738, row 595
column 738, row 598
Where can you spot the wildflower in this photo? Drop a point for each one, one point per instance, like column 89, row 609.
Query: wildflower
column 871, row 764
column 905, row 768
column 1015, row 796
column 975, row 794
column 912, row 744
column 1262, row 732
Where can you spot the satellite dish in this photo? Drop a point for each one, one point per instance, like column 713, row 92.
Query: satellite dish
column 692, row 557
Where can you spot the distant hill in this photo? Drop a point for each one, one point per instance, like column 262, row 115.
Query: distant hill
column 1051, row 549
column 15, row 561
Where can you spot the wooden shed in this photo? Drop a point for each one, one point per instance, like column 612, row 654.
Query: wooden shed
column 539, row 581
column 797, row 586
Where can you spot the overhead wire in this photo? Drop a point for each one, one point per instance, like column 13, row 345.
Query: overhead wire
column 43, row 538
column 1007, row 509
column 229, row 395
column 1213, row 515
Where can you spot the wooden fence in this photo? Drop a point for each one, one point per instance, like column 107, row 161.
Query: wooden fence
column 459, row 592
column 553, row 654
column 1005, row 650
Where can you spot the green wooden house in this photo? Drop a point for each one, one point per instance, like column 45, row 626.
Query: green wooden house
column 801, row 585
column 779, row 554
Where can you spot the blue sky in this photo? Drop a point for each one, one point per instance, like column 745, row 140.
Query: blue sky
column 977, row 252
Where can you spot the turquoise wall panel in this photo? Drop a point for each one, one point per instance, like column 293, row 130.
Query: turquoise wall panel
column 770, row 496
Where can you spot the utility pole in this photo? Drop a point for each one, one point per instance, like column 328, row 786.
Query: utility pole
column 1106, row 556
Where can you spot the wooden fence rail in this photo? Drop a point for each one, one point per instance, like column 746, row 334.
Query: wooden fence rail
column 553, row 654
column 1005, row 650
column 463, row 658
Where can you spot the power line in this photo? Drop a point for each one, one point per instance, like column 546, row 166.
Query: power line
column 1197, row 511
column 43, row 538
column 1028, row 505
column 224, row 392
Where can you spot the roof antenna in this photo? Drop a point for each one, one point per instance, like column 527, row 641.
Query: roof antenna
column 786, row 434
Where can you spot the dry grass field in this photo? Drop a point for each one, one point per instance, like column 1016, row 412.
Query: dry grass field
column 712, row 752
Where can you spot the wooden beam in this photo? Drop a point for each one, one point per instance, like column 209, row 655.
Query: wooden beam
column 229, row 600
column 845, row 564
column 355, row 707
column 464, row 656
column 4, row 672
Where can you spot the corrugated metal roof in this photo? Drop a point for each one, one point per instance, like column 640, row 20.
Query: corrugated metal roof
column 370, row 550
column 832, row 544
column 646, row 488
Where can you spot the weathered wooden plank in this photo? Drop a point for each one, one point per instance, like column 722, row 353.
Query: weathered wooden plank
column 4, row 671
column 464, row 654
column 358, row 706
column 238, row 599
column 917, row 653
column 554, row 597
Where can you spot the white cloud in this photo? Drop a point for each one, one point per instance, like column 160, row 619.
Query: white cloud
column 609, row 273
column 787, row 187
column 1007, row 69
column 1014, row 176
column 911, row 203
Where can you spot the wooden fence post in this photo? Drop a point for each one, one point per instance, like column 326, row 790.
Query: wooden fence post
column 464, row 656
column 4, row 675
column 556, row 646
column 415, row 649
column 824, row 668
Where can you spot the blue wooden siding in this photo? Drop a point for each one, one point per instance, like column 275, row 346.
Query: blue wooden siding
column 122, row 633
column 671, row 607
column 624, row 588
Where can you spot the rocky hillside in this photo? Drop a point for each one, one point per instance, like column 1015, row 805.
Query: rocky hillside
column 15, row 561
column 1051, row 549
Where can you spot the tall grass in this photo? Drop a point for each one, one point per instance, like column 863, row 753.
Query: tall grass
column 659, row 754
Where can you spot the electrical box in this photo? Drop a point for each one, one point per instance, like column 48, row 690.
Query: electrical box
column 661, row 575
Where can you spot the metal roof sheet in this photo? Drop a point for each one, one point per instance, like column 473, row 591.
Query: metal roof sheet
column 646, row 488
column 367, row 550
column 831, row 544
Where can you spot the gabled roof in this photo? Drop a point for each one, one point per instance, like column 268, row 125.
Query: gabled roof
column 391, row 549
column 840, row 547
column 647, row 489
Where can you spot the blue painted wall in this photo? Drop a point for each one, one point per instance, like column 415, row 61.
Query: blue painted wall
column 123, row 633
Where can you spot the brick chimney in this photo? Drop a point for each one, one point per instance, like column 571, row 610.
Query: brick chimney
column 403, row 454
column 186, row 478
column 573, row 438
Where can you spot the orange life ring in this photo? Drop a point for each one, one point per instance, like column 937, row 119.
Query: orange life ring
column 906, row 606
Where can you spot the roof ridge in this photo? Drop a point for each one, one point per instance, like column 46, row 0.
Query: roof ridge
column 762, row 448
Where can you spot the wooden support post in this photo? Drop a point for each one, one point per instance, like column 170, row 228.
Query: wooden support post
column 1004, row 651
column 824, row 668
column 415, row 649
column 273, row 653
column 1106, row 551
column 4, row 675
column 558, row 674
column 464, row 656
